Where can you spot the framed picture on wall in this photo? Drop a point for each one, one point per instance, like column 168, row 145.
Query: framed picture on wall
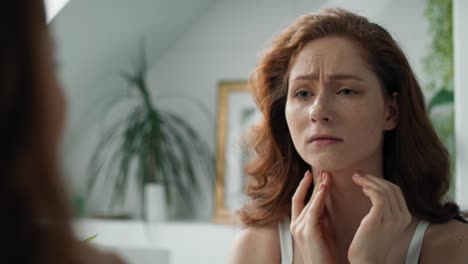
column 237, row 112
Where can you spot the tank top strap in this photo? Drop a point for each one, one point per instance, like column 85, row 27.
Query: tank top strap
column 286, row 242
column 414, row 249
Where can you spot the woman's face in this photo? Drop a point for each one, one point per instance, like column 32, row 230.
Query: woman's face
column 335, row 110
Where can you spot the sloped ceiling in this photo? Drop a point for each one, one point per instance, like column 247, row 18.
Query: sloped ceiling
column 53, row 7
column 97, row 38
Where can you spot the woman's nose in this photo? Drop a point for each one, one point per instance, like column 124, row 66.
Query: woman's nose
column 318, row 111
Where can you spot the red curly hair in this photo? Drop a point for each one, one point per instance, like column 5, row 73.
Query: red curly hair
column 413, row 156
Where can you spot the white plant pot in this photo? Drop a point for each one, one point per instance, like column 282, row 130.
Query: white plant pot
column 155, row 203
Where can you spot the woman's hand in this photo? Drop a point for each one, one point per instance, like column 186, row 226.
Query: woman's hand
column 384, row 223
column 308, row 228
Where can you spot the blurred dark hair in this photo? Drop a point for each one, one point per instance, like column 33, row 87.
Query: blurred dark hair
column 36, row 220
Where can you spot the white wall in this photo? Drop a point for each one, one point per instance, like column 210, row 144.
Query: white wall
column 460, row 8
column 226, row 43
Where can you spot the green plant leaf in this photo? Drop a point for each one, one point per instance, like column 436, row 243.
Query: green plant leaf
column 91, row 238
column 179, row 137
column 98, row 159
column 441, row 97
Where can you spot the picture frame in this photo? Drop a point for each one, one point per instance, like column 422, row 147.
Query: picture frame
column 237, row 112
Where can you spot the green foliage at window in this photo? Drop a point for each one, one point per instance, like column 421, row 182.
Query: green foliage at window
column 439, row 62
column 439, row 68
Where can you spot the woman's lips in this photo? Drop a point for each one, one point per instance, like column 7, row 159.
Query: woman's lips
column 324, row 140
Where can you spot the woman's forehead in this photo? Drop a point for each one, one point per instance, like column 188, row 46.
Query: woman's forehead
column 329, row 56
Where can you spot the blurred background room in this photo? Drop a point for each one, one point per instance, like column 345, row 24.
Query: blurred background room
column 158, row 108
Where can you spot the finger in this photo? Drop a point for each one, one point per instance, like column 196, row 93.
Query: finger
column 396, row 200
column 317, row 206
column 404, row 212
column 305, row 209
column 377, row 210
column 365, row 181
column 320, row 179
column 300, row 194
column 401, row 201
column 391, row 191
column 327, row 178
column 322, row 189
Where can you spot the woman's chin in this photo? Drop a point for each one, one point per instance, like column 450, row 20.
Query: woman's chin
column 328, row 164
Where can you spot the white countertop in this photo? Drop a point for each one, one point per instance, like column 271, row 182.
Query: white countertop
column 166, row 242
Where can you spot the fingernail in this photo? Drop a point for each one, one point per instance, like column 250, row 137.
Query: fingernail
column 322, row 175
column 321, row 186
column 307, row 174
column 360, row 173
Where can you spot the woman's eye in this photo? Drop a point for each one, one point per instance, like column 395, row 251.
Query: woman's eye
column 302, row 94
column 347, row 91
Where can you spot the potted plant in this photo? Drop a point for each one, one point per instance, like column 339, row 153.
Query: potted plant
column 156, row 146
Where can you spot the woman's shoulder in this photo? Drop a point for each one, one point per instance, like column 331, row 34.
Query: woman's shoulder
column 446, row 243
column 256, row 245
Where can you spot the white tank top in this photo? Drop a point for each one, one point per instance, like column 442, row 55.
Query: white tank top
column 412, row 256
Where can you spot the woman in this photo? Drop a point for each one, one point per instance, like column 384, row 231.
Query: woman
column 36, row 221
column 348, row 167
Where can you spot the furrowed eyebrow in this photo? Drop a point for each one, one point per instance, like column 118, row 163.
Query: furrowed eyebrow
column 334, row 77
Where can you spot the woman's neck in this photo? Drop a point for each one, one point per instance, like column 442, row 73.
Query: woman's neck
column 346, row 204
